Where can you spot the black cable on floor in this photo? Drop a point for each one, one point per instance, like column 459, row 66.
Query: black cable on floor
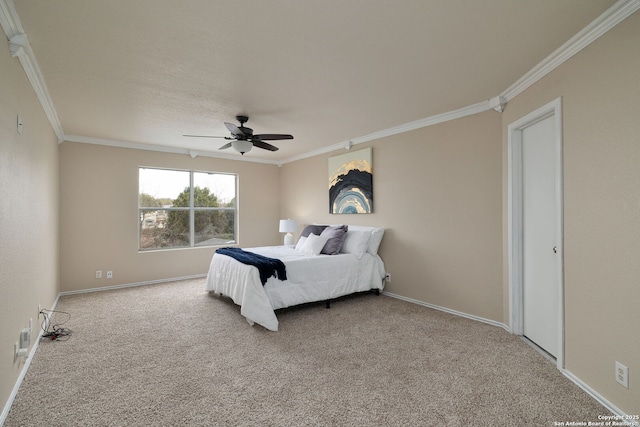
column 55, row 332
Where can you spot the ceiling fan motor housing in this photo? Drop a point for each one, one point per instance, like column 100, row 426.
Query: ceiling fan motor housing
column 246, row 133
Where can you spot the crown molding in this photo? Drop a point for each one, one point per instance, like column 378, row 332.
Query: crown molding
column 9, row 19
column 599, row 26
column 20, row 47
column 480, row 107
column 161, row 148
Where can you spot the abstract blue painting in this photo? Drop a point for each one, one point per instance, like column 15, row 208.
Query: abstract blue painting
column 351, row 183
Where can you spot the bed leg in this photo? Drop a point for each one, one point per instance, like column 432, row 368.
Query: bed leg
column 377, row 292
column 328, row 304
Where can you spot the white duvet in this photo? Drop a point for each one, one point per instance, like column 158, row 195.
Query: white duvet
column 309, row 278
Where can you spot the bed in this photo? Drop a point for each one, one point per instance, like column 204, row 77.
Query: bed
column 327, row 262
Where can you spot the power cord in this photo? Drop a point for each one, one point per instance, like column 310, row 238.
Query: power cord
column 56, row 332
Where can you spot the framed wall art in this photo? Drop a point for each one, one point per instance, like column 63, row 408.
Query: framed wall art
column 351, row 183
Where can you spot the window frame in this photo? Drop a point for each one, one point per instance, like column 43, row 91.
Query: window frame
column 192, row 209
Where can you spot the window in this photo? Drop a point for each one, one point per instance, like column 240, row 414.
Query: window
column 184, row 209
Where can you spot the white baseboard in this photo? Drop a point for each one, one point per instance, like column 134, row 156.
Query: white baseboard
column 450, row 311
column 604, row 402
column 132, row 285
column 23, row 371
column 577, row 381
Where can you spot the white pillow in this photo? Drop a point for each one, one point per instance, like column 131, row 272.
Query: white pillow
column 301, row 241
column 375, row 239
column 356, row 242
column 314, row 244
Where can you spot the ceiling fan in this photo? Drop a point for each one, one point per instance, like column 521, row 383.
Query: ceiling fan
column 243, row 140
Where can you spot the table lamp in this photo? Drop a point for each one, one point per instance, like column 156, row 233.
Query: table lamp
column 288, row 226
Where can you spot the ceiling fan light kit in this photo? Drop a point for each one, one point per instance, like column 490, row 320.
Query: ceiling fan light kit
column 243, row 140
column 242, row 146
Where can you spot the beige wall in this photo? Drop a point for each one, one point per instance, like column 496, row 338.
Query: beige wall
column 600, row 90
column 437, row 191
column 29, row 214
column 98, row 214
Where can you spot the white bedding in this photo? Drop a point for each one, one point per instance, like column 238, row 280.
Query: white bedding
column 309, row 278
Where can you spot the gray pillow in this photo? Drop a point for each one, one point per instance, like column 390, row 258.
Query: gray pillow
column 336, row 235
column 313, row 229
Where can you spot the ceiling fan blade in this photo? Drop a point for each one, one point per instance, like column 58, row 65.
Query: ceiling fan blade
column 272, row 136
column 235, row 130
column 225, row 146
column 264, row 145
column 204, row 136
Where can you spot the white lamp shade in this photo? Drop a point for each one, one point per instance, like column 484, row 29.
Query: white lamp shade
column 242, row 146
column 288, row 225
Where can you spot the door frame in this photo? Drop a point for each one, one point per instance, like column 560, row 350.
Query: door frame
column 515, row 214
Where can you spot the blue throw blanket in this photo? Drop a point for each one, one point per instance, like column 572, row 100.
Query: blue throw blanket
column 267, row 267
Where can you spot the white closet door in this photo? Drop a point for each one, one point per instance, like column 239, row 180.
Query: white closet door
column 540, row 235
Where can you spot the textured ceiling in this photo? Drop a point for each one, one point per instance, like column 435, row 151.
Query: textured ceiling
column 326, row 71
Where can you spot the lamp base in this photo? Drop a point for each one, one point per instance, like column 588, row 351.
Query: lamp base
column 288, row 239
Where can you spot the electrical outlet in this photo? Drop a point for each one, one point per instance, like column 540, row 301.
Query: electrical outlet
column 25, row 338
column 622, row 374
column 109, row 274
column 387, row 278
column 21, row 348
column 98, row 274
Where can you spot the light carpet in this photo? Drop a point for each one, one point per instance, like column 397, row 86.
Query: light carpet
column 171, row 354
